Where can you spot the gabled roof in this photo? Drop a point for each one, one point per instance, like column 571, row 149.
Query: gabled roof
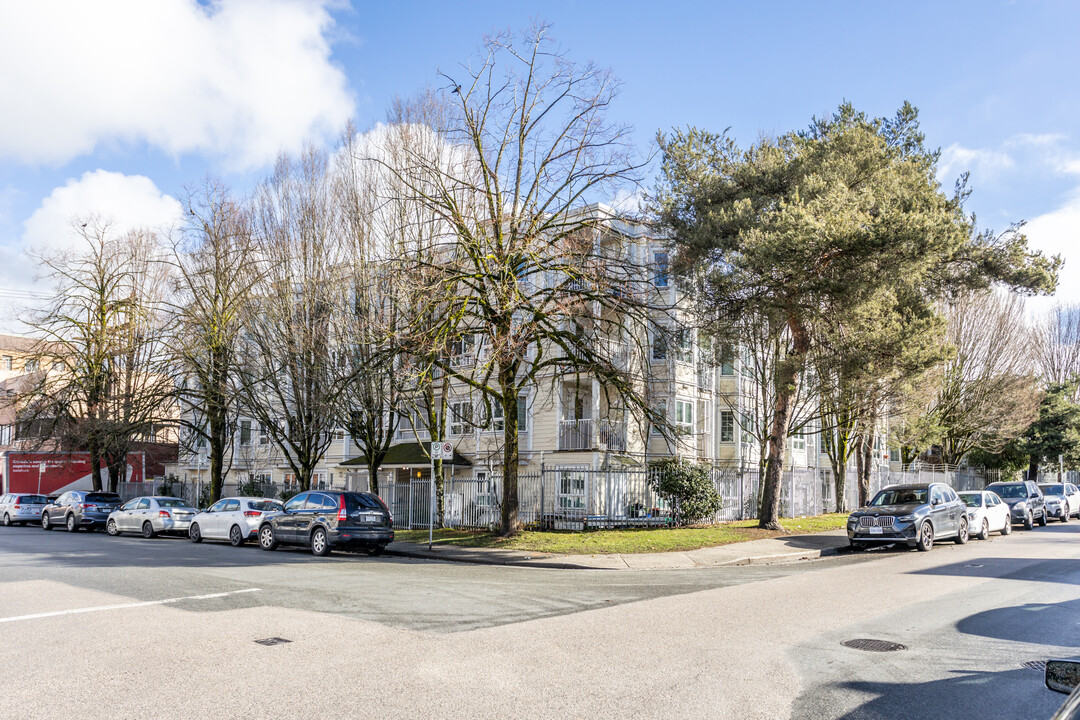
column 408, row 455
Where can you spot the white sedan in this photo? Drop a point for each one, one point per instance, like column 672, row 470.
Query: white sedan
column 1062, row 500
column 151, row 515
column 235, row 519
column 987, row 513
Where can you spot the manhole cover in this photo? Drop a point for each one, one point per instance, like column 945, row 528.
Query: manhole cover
column 1039, row 665
column 273, row 641
column 873, row 645
column 971, row 565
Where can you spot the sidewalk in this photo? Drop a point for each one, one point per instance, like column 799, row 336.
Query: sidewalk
column 790, row 548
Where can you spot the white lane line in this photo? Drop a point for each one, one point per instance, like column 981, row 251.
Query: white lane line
column 122, row 606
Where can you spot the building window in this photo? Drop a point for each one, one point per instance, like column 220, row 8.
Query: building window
column 7, row 362
column 660, row 264
column 461, row 413
column 798, row 443
column 727, row 361
column 684, row 416
column 684, row 345
column 661, row 410
column 659, row 343
column 245, row 432
column 572, row 490
column 522, row 414
column 727, row 426
column 31, row 366
column 264, row 436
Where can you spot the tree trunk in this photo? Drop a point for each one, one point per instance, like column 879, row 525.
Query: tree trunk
column 373, row 475
column 867, row 465
column 1033, row 468
column 511, row 522
column 787, row 385
column 95, row 465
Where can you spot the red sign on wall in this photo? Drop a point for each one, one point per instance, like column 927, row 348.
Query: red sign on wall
column 55, row 473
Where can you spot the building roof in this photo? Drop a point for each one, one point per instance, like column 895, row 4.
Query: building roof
column 18, row 343
column 408, row 455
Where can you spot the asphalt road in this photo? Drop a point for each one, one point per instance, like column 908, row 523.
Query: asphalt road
column 125, row 627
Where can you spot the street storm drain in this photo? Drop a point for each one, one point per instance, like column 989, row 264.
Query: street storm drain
column 1039, row 665
column 873, row 645
column 273, row 641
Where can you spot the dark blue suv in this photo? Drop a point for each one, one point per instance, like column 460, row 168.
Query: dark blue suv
column 326, row 519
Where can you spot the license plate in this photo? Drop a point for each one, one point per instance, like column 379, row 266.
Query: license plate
column 876, row 530
column 372, row 518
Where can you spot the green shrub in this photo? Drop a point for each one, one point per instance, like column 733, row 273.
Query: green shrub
column 166, row 486
column 287, row 493
column 687, row 484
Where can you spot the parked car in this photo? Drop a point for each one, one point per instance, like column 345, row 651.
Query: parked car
column 1062, row 500
column 17, row 509
column 1063, row 676
column 1025, row 501
column 235, row 519
column 987, row 513
column 151, row 515
column 324, row 520
column 917, row 515
column 80, row 509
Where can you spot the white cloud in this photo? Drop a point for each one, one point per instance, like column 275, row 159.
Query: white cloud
column 1058, row 233
column 240, row 80
column 983, row 164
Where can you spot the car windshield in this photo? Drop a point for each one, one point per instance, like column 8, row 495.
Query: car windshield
column 102, row 497
column 900, row 496
column 32, row 499
column 972, row 499
column 1010, row 491
column 354, row 501
column 172, row 502
column 264, row 505
column 1052, row 489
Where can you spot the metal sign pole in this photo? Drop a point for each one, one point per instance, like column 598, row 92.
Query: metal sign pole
column 40, row 470
column 436, row 450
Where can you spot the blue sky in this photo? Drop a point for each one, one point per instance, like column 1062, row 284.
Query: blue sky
column 114, row 106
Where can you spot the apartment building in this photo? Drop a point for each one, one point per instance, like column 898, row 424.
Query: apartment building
column 564, row 422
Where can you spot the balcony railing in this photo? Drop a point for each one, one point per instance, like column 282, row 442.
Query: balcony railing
column 592, row 435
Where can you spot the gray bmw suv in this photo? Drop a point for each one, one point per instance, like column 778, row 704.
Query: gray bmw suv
column 916, row 515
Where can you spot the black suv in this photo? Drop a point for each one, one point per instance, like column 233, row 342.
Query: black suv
column 1025, row 500
column 80, row 508
column 328, row 519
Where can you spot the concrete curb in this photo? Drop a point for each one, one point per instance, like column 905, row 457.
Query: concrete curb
column 554, row 562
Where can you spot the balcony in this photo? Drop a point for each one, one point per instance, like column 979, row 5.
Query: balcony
column 587, row 434
column 605, row 349
column 705, row 375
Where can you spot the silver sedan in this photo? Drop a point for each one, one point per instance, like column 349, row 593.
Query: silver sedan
column 151, row 515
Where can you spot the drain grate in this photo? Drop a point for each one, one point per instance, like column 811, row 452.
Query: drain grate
column 273, row 641
column 873, row 645
column 1039, row 665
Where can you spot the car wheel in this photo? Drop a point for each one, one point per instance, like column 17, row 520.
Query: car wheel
column 267, row 541
column 1042, row 518
column 45, row 524
column 377, row 549
column 236, row 536
column 856, row 546
column 319, row 544
column 985, row 530
column 1064, row 515
column 195, row 533
column 110, row 527
column 72, row 524
column 1029, row 522
column 962, row 533
column 926, row 537
column 148, row 530
column 1008, row 526
column 7, row 520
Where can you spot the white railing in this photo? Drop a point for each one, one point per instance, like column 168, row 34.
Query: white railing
column 586, row 435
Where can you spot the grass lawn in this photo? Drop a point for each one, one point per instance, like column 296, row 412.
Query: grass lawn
column 595, row 542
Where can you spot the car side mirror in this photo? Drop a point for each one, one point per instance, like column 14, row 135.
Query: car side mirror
column 1062, row 675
